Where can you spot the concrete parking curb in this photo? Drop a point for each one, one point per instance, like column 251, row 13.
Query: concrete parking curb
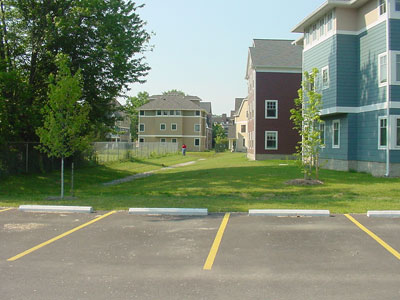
column 384, row 213
column 289, row 212
column 169, row 211
column 56, row 208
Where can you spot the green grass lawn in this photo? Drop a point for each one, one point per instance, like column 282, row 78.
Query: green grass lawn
column 222, row 182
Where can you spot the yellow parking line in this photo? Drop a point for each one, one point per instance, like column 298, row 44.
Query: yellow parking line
column 1, row 210
column 59, row 237
column 215, row 246
column 374, row 236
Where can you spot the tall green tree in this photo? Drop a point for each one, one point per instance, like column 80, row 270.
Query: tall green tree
column 105, row 39
column 65, row 116
column 174, row 92
column 307, row 120
column 132, row 103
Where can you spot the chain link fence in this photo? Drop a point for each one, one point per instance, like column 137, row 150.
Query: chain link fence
column 115, row 151
column 25, row 158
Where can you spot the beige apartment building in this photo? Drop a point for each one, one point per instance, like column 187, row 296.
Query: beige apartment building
column 238, row 131
column 174, row 118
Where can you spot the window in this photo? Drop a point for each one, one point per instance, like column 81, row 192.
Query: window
column 321, row 27
column 382, row 133
column 398, row 66
column 307, row 37
column 397, row 5
column 174, row 126
column 325, row 77
column 163, row 126
column 271, row 140
column 243, row 128
column 165, row 112
column 197, row 142
column 141, row 127
column 322, row 133
column 382, row 7
column 173, row 141
column 244, row 142
column 158, row 112
column 271, row 109
column 382, row 71
column 197, row 113
column 178, row 112
column 141, row 140
column 197, row 127
column 398, row 132
column 247, row 114
column 142, row 112
column 336, row 134
column 162, row 140
column 314, row 32
column 329, row 22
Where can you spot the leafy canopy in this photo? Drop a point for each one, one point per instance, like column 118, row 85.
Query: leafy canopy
column 65, row 116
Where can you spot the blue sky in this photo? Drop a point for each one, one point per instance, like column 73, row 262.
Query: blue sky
column 201, row 47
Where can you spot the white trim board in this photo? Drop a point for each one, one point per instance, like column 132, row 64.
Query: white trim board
column 357, row 110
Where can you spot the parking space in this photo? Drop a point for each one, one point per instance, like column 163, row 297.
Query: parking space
column 127, row 257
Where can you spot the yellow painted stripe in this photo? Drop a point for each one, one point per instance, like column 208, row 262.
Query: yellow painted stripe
column 1, row 210
column 215, row 246
column 59, row 237
column 374, row 236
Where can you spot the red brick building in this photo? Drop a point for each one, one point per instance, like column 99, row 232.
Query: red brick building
column 274, row 76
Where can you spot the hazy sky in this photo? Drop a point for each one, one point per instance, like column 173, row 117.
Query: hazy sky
column 201, row 47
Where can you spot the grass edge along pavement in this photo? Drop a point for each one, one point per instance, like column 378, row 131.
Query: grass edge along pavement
column 224, row 182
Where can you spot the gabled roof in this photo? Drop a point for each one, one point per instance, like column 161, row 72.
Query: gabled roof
column 238, row 103
column 206, row 106
column 171, row 102
column 275, row 54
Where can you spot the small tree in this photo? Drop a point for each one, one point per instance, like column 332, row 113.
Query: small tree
column 131, row 109
column 65, row 117
column 174, row 92
column 306, row 118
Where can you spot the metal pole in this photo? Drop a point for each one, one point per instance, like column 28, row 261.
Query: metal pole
column 72, row 179
column 62, row 177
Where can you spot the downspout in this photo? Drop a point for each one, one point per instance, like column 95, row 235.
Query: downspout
column 389, row 80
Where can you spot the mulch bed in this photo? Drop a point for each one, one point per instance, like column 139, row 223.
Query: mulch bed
column 304, row 182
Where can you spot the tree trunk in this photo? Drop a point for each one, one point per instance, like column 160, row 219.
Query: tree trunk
column 62, row 177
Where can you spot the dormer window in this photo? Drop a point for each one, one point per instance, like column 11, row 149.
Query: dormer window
column 382, row 7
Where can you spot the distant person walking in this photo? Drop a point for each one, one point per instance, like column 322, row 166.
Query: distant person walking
column 183, row 149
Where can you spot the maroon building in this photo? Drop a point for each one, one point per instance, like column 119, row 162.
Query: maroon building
column 274, row 76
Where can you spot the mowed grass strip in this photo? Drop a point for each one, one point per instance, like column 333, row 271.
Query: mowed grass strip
column 223, row 182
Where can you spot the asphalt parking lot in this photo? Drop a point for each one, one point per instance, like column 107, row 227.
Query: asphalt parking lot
column 122, row 256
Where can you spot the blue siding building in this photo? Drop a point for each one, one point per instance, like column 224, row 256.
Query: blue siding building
column 355, row 44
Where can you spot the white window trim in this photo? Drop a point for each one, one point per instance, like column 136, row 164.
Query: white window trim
column 379, row 8
column 276, row 106
column 380, row 84
column 393, row 67
column 144, row 127
column 165, row 125
column 265, row 140
column 176, row 140
column 142, row 111
column 165, row 140
column 194, row 128
column 176, row 127
column 379, row 133
column 194, row 142
column 394, row 136
column 322, row 77
column 333, row 134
